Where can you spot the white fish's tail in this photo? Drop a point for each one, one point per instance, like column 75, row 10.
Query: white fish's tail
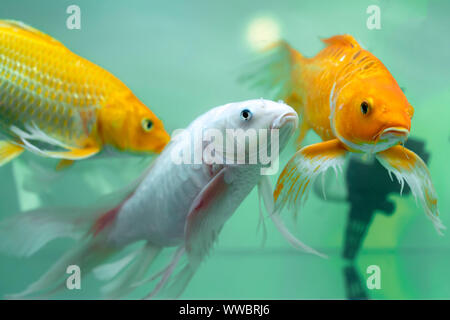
column 172, row 284
column 173, row 278
column 125, row 274
column 180, row 281
column 85, row 255
column 25, row 234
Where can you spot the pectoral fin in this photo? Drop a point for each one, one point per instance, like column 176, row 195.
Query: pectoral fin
column 303, row 169
column 265, row 191
column 63, row 164
column 74, row 154
column 33, row 133
column 204, row 222
column 407, row 166
column 206, row 218
column 9, row 151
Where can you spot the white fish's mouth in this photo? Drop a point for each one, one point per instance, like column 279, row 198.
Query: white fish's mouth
column 289, row 118
column 286, row 124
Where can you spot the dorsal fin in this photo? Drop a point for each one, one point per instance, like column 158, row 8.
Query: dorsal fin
column 22, row 27
column 344, row 40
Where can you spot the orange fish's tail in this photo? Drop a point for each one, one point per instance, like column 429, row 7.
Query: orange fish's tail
column 276, row 72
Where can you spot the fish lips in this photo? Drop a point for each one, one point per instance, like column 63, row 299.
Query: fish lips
column 289, row 119
column 394, row 133
column 286, row 124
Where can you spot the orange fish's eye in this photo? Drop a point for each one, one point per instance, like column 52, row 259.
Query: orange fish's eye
column 364, row 107
column 410, row 111
column 147, row 125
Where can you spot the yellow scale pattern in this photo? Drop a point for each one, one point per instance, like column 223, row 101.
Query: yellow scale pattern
column 44, row 84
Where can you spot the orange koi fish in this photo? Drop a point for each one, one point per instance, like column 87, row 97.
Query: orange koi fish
column 57, row 104
column 351, row 100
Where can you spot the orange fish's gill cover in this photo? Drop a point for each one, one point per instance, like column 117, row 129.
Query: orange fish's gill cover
column 351, row 100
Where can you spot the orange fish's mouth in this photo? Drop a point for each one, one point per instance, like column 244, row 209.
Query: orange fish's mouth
column 400, row 133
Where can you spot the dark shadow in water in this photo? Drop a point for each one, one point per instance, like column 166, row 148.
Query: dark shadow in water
column 368, row 189
column 354, row 284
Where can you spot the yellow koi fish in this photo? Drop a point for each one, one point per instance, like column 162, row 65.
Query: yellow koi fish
column 57, row 104
column 351, row 100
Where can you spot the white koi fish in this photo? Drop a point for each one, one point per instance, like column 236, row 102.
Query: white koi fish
column 174, row 205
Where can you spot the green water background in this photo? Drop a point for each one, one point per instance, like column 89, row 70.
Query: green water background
column 183, row 57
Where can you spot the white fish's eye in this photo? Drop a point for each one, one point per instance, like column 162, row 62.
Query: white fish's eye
column 246, row 115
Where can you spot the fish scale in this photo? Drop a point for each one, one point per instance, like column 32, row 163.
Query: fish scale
column 351, row 100
column 57, row 104
column 34, row 80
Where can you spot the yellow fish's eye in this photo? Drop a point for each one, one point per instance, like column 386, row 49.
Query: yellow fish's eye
column 364, row 107
column 147, row 124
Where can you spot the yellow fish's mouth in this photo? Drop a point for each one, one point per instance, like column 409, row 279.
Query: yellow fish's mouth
column 160, row 148
column 164, row 139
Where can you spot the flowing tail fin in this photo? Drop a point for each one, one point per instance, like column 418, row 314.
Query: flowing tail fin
column 25, row 234
column 277, row 74
column 127, row 273
column 276, row 71
column 85, row 255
